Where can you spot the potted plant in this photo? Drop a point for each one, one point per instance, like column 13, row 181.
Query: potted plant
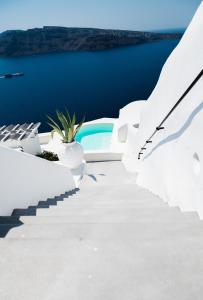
column 70, row 152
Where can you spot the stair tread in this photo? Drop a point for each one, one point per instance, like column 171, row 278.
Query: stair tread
column 102, row 231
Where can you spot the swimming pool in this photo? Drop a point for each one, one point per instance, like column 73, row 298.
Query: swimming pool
column 95, row 136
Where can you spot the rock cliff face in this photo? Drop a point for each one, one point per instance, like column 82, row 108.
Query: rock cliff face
column 51, row 39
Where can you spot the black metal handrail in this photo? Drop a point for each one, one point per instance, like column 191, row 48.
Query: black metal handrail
column 160, row 126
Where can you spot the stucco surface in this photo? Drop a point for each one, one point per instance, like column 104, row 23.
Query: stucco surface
column 172, row 165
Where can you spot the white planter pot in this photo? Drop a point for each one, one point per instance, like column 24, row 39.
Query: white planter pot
column 71, row 154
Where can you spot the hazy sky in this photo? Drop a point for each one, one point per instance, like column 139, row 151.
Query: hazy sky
column 116, row 14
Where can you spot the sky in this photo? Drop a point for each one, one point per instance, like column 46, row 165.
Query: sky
column 113, row 14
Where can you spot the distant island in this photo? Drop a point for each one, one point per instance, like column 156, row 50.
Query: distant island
column 52, row 39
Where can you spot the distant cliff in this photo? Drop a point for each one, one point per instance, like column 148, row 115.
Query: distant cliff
column 52, row 39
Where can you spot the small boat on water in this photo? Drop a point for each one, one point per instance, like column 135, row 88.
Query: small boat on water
column 18, row 74
column 9, row 75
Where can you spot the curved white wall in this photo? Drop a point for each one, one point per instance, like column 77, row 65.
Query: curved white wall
column 129, row 116
column 172, row 166
column 131, row 113
column 26, row 179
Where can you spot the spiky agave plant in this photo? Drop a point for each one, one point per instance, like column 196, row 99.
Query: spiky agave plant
column 67, row 127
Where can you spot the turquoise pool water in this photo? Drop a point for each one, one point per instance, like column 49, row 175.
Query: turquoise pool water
column 95, row 136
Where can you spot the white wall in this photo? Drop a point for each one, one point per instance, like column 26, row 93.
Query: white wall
column 129, row 116
column 131, row 113
column 172, row 166
column 26, row 179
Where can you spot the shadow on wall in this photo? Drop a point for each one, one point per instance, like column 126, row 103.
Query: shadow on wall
column 177, row 134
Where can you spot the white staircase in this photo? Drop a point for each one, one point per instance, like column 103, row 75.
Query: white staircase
column 109, row 240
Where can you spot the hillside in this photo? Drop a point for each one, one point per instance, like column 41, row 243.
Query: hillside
column 50, row 39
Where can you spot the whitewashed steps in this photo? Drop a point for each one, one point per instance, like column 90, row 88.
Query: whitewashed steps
column 111, row 240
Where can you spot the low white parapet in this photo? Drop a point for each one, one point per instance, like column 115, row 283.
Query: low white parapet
column 102, row 156
column 31, row 145
column 26, row 179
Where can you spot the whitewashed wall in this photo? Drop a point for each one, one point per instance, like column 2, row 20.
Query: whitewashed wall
column 131, row 113
column 26, row 179
column 129, row 116
column 172, row 166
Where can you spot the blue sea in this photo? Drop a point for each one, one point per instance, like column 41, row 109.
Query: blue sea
column 94, row 84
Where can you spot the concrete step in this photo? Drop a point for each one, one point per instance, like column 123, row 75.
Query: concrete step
column 88, row 204
column 138, row 230
column 144, row 217
column 168, row 268
column 93, row 180
column 121, row 187
column 108, row 185
column 112, row 216
column 108, row 198
column 105, row 210
column 109, row 192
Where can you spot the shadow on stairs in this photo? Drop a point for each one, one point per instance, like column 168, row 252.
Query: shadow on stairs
column 7, row 223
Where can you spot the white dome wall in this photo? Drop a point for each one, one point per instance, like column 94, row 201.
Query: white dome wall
column 172, row 165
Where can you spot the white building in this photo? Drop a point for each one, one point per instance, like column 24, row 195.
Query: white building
column 171, row 167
